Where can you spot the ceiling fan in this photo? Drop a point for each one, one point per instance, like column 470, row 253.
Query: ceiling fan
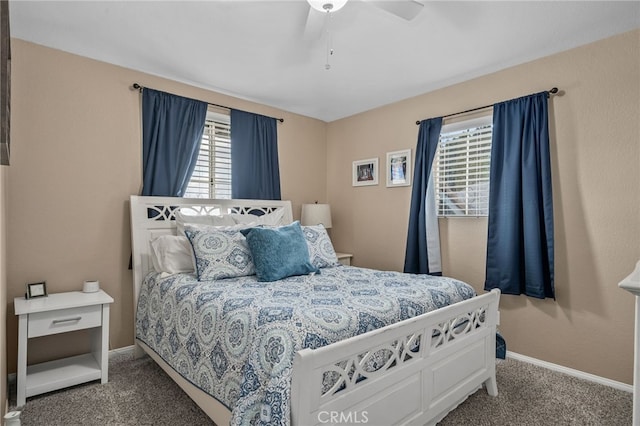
column 406, row 9
column 320, row 11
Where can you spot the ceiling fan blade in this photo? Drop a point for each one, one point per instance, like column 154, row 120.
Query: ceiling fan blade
column 314, row 25
column 406, row 9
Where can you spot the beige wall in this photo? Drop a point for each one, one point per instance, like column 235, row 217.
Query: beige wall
column 595, row 156
column 76, row 159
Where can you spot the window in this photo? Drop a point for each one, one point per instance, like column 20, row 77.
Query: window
column 212, row 176
column 461, row 168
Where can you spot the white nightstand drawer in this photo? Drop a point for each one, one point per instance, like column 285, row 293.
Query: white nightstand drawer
column 63, row 320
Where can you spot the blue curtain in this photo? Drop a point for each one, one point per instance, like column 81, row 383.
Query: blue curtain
column 423, row 238
column 172, row 128
column 520, row 235
column 255, row 173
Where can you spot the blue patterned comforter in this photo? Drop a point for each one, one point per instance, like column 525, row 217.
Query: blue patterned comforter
column 235, row 338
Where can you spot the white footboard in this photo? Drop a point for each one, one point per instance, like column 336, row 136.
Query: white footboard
column 412, row 372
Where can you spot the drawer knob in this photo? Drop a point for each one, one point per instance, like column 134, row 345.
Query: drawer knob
column 67, row 320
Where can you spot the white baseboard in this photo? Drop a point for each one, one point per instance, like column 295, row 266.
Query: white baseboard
column 571, row 372
column 11, row 378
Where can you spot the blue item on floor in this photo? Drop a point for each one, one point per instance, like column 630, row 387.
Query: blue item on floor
column 501, row 346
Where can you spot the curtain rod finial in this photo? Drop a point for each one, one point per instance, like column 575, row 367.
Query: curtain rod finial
column 137, row 87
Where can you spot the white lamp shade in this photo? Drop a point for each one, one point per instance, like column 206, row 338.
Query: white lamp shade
column 327, row 5
column 315, row 214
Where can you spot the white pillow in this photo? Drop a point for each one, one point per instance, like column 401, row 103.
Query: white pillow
column 271, row 219
column 172, row 254
column 205, row 219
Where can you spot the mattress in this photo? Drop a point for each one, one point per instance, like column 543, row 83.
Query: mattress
column 236, row 338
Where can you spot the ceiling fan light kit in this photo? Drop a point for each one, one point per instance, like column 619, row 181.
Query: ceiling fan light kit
column 327, row 5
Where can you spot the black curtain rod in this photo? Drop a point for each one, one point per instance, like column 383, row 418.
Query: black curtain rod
column 139, row 88
column 553, row 91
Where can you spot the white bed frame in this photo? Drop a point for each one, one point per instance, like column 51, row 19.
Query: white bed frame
column 455, row 355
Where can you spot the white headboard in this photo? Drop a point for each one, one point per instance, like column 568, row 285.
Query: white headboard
column 155, row 216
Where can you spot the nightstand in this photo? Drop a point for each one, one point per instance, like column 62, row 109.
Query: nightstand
column 344, row 258
column 61, row 313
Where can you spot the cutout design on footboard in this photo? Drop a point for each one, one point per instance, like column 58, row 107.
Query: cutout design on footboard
column 448, row 331
column 369, row 364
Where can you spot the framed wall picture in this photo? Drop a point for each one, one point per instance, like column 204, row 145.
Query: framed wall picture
column 36, row 290
column 365, row 172
column 399, row 168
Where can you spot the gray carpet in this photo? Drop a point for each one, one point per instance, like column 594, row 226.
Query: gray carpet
column 140, row 393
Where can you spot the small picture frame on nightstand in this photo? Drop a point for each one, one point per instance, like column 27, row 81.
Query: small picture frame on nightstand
column 36, row 290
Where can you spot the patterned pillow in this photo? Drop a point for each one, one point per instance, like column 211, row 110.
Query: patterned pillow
column 219, row 253
column 279, row 252
column 321, row 251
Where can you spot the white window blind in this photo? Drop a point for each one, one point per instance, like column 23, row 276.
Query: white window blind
column 461, row 168
column 212, row 176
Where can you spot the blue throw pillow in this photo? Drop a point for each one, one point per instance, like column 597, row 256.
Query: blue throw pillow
column 279, row 252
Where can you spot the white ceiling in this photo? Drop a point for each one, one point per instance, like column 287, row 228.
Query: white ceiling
column 261, row 51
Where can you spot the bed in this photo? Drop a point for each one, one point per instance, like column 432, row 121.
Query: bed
column 339, row 346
